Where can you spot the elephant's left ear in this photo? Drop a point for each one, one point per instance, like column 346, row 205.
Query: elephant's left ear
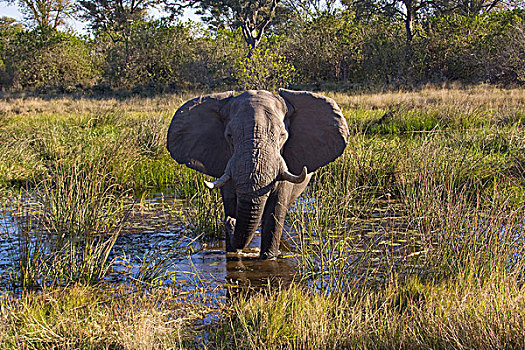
column 318, row 132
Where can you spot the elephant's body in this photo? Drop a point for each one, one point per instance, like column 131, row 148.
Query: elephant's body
column 253, row 143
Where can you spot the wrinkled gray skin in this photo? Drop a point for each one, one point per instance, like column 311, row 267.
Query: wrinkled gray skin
column 260, row 146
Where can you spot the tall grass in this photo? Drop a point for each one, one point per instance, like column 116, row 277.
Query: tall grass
column 82, row 317
column 205, row 213
column 42, row 262
column 413, row 238
column 80, row 198
column 428, row 204
column 465, row 313
column 76, row 216
column 79, row 162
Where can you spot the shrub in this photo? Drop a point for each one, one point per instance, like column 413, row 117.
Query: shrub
column 42, row 59
column 484, row 48
column 265, row 68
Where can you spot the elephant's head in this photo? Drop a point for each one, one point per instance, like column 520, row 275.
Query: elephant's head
column 256, row 139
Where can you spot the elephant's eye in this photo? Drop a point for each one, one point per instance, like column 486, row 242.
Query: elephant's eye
column 284, row 135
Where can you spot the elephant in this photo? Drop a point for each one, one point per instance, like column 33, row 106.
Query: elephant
column 263, row 148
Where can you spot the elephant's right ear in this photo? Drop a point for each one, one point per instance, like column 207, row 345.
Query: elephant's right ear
column 196, row 134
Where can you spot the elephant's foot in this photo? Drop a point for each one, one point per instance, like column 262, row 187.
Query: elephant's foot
column 270, row 255
column 229, row 224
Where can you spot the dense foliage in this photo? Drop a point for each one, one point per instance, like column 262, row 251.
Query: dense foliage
column 340, row 47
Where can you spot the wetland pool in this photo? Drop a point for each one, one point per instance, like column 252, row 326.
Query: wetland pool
column 154, row 237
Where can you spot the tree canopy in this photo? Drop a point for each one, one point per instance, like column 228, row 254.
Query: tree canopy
column 265, row 44
column 44, row 13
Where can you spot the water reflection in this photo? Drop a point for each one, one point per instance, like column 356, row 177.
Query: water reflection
column 210, row 264
column 260, row 273
column 200, row 264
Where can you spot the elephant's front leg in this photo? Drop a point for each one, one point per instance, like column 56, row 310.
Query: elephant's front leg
column 229, row 201
column 281, row 199
column 273, row 222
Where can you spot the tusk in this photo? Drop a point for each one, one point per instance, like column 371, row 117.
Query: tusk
column 296, row 179
column 221, row 180
column 217, row 183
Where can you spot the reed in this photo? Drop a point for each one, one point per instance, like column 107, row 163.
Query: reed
column 84, row 317
column 465, row 312
column 425, row 204
column 75, row 218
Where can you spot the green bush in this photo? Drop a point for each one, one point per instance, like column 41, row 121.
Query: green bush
column 265, row 68
column 484, row 48
column 338, row 48
column 153, row 54
column 41, row 59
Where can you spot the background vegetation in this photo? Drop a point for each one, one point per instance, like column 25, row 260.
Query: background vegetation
column 264, row 44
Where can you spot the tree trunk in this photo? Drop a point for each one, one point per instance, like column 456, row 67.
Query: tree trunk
column 409, row 26
column 254, row 25
column 409, row 21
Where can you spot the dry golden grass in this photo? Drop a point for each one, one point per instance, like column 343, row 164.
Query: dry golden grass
column 92, row 318
column 483, row 96
column 28, row 105
column 462, row 314
column 465, row 313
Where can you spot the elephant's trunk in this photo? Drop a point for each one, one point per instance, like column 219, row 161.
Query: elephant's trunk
column 249, row 213
column 254, row 167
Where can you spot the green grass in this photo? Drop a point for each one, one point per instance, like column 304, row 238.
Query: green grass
column 413, row 238
column 467, row 312
column 67, row 226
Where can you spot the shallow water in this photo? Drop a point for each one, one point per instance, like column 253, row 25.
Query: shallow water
column 156, row 245
column 8, row 240
column 154, row 235
column 192, row 262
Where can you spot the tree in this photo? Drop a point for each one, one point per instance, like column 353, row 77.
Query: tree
column 114, row 15
column 410, row 11
column 7, row 23
column 42, row 59
column 117, row 19
column 252, row 16
column 45, row 14
column 407, row 10
column 467, row 7
column 162, row 55
column 312, row 8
